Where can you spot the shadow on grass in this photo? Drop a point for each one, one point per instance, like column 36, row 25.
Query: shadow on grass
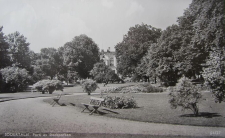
column 203, row 114
column 62, row 104
column 5, row 97
column 99, row 112
column 72, row 104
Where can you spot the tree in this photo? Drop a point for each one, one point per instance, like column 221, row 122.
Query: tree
column 209, row 26
column 83, row 52
column 103, row 73
column 185, row 95
column 14, row 79
column 99, row 71
column 4, row 57
column 166, row 57
column 19, row 50
column 134, row 46
column 49, row 61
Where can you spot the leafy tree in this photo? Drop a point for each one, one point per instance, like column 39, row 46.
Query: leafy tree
column 83, row 52
column 38, row 74
column 4, row 57
column 14, row 79
column 134, row 46
column 19, row 50
column 49, row 61
column 209, row 26
column 65, row 71
column 164, row 57
column 103, row 73
column 185, row 95
column 99, row 71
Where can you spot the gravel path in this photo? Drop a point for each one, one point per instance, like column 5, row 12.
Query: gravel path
column 33, row 115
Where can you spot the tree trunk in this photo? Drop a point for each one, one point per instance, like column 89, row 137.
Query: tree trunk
column 195, row 109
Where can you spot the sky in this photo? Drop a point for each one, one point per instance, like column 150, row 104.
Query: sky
column 52, row 23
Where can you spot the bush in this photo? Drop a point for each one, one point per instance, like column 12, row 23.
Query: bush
column 149, row 88
column 89, row 86
column 14, row 79
column 119, row 102
column 48, row 85
column 145, row 87
column 185, row 95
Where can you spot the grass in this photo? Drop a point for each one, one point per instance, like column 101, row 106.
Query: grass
column 154, row 107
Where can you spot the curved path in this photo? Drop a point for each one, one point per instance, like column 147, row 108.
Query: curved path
column 35, row 116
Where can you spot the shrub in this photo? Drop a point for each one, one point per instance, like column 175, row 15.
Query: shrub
column 149, row 88
column 14, row 79
column 89, row 86
column 145, row 87
column 48, row 85
column 119, row 102
column 185, row 95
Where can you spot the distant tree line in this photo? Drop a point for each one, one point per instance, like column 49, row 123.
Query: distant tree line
column 19, row 66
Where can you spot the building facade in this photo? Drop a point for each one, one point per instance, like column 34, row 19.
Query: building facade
column 109, row 58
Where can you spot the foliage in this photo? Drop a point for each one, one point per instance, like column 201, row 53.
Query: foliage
column 210, row 32
column 14, row 79
column 214, row 76
column 134, row 46
column 4, row 58
column 48, row 85
column 84, row 52
column 103, row 73
column 185, row 95
column 119, row 102
column 38, row 74
column 89, row 86
column 145, row 87
column 148, row 88
column 19, row 50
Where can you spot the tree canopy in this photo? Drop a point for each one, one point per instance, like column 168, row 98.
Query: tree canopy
column 19, row 50
column 83, row 52
column 4, row 46
column 134, row 46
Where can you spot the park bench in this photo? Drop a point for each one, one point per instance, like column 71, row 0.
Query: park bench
column 95, row 103
column 56, row 100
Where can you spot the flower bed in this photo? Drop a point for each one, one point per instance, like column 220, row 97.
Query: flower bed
column 119, row 102
column 145, row 87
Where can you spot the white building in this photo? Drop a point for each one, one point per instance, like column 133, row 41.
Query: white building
column 110, row 59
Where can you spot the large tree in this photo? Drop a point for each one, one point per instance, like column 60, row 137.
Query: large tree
column 103, row 73
column 19, row 50
column 4, row 55
column 134, row 46
column 81, row 54
column 49, row 61
column 210, row 28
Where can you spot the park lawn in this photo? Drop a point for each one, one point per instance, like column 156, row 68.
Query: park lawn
column 154, row 107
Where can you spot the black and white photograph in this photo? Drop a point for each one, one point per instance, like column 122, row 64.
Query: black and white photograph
column 112, row 68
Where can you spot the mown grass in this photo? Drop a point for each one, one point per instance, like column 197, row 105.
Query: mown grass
column 154, row 107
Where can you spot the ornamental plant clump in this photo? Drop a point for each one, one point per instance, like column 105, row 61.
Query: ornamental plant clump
column 145, row 87
column 48, row 85
column 185, row 95
column 89, row 86
column 13, row 79
column 119, row 102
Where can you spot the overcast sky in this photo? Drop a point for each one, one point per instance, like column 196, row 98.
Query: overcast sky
column 52, row 23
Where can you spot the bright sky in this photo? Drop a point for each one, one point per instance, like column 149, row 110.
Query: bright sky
column 52, row 23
